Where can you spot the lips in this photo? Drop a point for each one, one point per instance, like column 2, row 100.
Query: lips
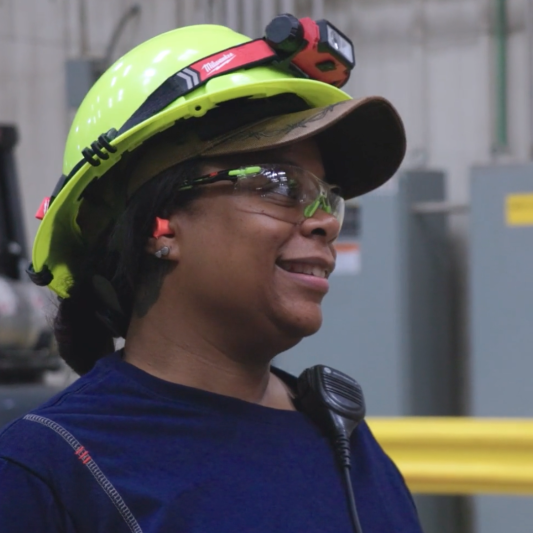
column 316, row 267
column 303, row 268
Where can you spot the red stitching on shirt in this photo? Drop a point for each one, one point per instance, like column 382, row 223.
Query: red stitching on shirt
column 83, row 455
column 93, row 468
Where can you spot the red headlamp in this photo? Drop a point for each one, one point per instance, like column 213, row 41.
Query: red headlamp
column 318, row 49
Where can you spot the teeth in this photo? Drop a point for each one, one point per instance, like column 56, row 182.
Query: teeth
column 304, row 268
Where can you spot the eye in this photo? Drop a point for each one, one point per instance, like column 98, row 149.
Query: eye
column 274, row 185
column 282, row 192
column 284, row 186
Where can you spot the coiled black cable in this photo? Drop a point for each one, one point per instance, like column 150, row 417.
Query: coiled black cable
column 351, row 501
column 342, row 451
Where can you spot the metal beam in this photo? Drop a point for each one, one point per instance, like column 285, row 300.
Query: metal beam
column 460, row 455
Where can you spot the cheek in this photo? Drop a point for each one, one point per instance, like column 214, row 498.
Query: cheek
column 237, row 251
column 228, row 268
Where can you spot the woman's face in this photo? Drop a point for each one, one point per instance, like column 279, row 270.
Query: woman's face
column 246, row 273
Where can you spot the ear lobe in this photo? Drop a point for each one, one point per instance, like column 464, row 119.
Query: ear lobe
column 152, row 245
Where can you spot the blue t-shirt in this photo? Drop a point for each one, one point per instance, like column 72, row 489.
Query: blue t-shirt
column 121, row 451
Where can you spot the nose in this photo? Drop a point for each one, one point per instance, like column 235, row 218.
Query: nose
column 321, row 224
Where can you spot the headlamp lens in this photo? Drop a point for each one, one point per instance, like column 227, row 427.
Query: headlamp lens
column 341, row 44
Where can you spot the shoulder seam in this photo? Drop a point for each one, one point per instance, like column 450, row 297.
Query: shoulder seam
column 91, row 465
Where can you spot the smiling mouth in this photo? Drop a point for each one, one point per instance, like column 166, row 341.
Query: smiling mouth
column 304, row 268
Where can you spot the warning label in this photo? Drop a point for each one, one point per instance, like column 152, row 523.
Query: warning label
column 519, row 209
column 348, row 258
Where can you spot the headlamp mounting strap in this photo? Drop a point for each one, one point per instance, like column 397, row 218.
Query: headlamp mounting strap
column 246, row 55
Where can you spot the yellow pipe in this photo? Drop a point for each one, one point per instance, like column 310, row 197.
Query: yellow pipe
column 460, row 455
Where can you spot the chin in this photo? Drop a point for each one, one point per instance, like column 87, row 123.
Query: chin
column 303, row 324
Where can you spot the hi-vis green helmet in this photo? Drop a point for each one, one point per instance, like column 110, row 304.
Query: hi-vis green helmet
column 175, row 76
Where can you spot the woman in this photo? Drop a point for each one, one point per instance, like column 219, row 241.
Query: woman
column 202, row 232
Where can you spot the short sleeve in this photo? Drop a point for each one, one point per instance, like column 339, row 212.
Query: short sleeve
column 27, row 503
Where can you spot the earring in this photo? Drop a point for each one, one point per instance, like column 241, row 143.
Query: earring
column 163, row 252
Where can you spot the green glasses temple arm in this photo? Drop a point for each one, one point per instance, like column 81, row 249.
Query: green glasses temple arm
column 222, row 175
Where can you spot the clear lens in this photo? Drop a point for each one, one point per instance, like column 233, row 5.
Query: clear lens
column 289, row 192
column 339, row 43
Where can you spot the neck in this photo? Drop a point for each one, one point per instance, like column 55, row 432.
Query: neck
column 183, row 355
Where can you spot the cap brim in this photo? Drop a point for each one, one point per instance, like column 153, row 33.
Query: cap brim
column 362, row 141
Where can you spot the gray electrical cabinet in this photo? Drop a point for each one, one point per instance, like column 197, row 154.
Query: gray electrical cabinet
column 501, row 318
column 387, row 316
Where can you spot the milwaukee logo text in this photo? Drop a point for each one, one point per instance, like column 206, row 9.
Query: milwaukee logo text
column 213, row 66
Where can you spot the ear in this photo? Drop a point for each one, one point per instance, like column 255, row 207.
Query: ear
column 164, row 235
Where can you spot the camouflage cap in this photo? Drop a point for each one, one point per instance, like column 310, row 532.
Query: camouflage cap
column 362, row 143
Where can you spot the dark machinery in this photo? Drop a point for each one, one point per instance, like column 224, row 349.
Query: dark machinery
column 27, row 347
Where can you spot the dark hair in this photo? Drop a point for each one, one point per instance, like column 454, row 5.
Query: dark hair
column 119, row 277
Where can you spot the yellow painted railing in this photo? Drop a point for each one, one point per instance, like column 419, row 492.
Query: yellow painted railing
column 460, row 455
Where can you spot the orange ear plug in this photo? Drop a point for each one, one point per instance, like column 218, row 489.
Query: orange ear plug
column 161, row 227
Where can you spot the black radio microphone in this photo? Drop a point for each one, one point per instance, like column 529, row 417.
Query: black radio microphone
column 335, row 402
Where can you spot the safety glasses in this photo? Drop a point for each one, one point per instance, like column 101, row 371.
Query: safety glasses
column 282, row 191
